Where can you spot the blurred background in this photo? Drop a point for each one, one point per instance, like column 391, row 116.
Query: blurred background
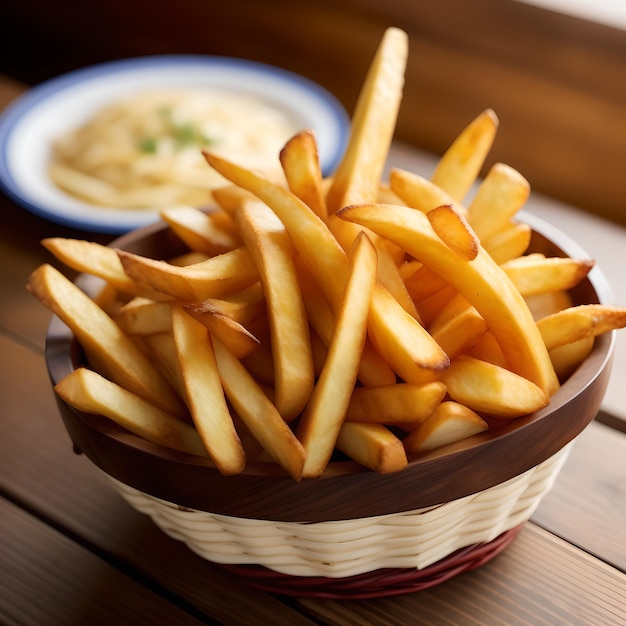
column 557, row 80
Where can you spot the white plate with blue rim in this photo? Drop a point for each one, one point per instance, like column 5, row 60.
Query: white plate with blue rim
column 30, row 125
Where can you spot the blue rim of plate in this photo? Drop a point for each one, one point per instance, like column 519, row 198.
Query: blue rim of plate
column 318, row 109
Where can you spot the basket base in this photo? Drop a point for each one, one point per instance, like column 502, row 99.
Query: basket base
column 377, row 584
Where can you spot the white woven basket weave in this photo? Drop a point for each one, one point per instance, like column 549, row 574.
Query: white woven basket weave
column 336, row 549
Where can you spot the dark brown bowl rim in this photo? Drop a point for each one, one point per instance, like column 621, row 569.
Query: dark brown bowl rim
column 345, row 490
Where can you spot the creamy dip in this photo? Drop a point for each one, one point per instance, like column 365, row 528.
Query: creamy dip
column 145, row 151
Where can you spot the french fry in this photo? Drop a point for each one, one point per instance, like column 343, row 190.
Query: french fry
column 387, row 273
column 301, row 165
column 323, row 416
column 488, row 349
column 454, row 231
column 90, row 392
column 534, row 274
column 399, row 337
column 461, row 163
column 487, row 388
column 579, row 322
column 421, row 282
column 419, row 192
column 316, row 245
column 205, row 395
column 548, row 302
column 509, row 242
column 373, row 370
column 430, row 307
column 481, row 281
column 460, row 332
column 230, row 197
column 260, row 365
column 500, row 196
column 199, row 230
column 272, row 251
column 395, row 404
column 569, row 356
column 357, row 178
column 243, row 306
column 162, row 350
column 373, row 446
column 258, row 413
column 98, row 260
column 450, row 422
column 236, row 337
column 403, row 342
column 143, row 316
column 216, row 277
column 108, row 349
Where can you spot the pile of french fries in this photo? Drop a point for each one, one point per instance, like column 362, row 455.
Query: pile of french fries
column 320, row 318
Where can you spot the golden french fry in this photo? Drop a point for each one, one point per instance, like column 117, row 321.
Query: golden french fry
column 373, row 446
column 387, row 273
column 460, row 332
column 419, row 192
column 188, row 258
column 143, row 316
column 260, row 365
column 204, row 393
column 108, row 349
column 395, row 404
column 373, row 370
column 230, row 197
column 488, row 349
column 357, row 178
column 455, row 306
column 548, row 302
column 272, row 251
column 430, row 307
column 387, row 196
column 481, row 281
column 509, row 242
column 89, row 391
column 408, row 348
column 534, row 274
column 579, row 322
column 236, row 337
column 403, row 342
column 569, row 356
column 258, row 413
column 199, row 230
column 454, row 231
column 97, row 260
column 243, row 306
column 487, row 388
column 500, row 196
column 421, row 282
column 450, row 422
column 216, row 277
column 323, row 416
column 461, row 163
column 316, row 245
column 300, row 160
column 162, row 349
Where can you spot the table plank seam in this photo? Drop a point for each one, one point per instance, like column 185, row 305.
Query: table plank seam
column 577, row 545
column 610, row 420
column 23, row 342
column 120, row 565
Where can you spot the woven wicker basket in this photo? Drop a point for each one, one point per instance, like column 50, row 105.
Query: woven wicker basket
column 351, row 532
column 411, row 540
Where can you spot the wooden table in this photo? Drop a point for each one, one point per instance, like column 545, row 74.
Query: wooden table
column 73, row 552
